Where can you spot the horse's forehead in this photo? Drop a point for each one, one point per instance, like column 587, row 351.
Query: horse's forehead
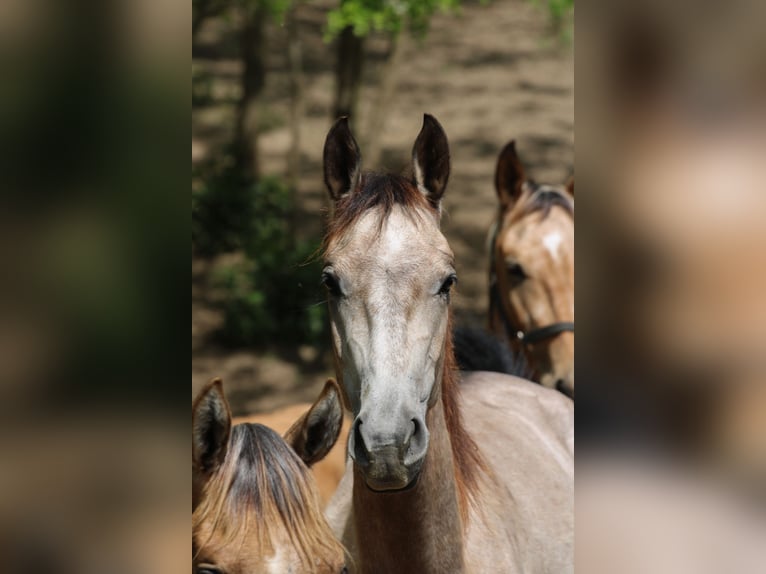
column 399, row 237
column 533, row 232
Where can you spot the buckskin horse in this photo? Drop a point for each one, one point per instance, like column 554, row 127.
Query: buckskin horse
column 531, row 278
column 255, row 507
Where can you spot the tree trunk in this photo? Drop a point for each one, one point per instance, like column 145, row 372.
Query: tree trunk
column 297, row 101
column 389, row 77
column 348, row 75
column 253, row 46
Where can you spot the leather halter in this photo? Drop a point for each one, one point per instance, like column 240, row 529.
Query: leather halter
column 513, row 333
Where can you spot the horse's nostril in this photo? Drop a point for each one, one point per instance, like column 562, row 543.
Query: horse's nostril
column 417, row 443
column 359, row 450
column 416, row 428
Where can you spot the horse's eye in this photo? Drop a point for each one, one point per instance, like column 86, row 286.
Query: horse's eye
column 330, row 281
column 207, row 569
column 447, row 284
column 515, row 271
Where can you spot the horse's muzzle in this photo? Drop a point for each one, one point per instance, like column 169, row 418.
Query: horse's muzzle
column 386, row 463
column 386, row 472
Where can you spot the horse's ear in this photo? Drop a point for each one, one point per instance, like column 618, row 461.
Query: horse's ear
column 570, row 185
column 509, row 176
column 430, row 160
column 316, row 432
column 211, row 427
column 342, row 160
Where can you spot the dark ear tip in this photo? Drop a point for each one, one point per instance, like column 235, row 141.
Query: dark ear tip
column 431, row 122
column 510, row 148
column 341, row 124
column 331, row 389
column 341, row 132
column 213, row 386
column 216, row 386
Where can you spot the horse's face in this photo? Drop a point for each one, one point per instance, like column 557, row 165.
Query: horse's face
column 389, row 323
column 388, row 272
column 533, row 263
column 534, row 266
column 256, row 509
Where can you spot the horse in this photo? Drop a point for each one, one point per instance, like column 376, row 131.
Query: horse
column 328, row 471
column 441, row 477
column 531, row 277
column 255, row 507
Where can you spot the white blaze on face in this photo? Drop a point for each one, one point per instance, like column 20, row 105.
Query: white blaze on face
column 552, row 242
column 397, row 236
column 281, row 562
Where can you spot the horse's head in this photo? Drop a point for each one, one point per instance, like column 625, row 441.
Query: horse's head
column 532, row 272
column 388, row 272
column 254, row 504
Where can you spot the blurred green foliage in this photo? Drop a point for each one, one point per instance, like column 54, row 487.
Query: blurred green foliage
column 223, row 207
column 560, row 14
column 366, row 16
column 559, row 9
column 274, row 296
column 273, row 293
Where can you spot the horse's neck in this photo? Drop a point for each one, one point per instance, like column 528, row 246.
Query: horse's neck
column 418, row 530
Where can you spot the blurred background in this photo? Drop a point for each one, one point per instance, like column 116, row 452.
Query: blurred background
column 268, row 80
column 671, row 407
column 93, row 231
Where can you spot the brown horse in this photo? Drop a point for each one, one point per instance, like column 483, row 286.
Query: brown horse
column 441, row 478
column 328, row 471
column 255, row 507
column 532, row 272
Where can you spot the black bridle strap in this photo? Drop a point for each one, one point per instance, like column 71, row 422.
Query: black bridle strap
column 531, row 337
column 543, row 333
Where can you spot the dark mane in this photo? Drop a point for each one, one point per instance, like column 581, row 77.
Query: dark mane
column 469, row 464
column 262, row 484
column 264, row 454
column 479, row 350
column 542, row 199
column 376, row 190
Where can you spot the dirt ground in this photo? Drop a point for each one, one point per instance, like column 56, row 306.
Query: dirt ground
column 489, row 74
